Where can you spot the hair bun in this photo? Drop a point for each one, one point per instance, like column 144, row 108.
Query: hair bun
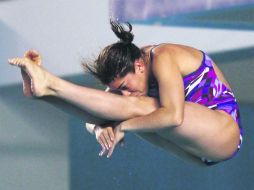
column 124, row 35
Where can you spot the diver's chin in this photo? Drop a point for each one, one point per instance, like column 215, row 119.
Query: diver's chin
column 143, row 94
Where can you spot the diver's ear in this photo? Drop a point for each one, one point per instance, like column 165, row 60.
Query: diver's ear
column 139, row 66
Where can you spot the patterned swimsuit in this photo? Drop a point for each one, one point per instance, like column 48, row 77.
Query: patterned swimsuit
column 203, row 87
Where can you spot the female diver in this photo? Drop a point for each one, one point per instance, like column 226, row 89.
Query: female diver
column 172, row 95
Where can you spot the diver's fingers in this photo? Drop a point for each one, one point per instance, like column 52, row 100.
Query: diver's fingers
column 111, row 150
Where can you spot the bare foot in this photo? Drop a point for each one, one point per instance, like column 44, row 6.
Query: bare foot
column 36, row 58
column 35, row 78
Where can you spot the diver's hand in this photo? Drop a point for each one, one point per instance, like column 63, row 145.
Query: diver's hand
column 105, row 137
column 119, row 138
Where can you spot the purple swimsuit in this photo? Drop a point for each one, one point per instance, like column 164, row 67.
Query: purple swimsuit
column 203, row 87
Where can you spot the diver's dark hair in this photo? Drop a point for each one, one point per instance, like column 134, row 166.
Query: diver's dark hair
column 116, row 60
column 124, row 36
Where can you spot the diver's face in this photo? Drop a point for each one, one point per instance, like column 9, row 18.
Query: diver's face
column 132, row 84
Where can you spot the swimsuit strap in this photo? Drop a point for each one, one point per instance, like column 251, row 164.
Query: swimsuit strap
column 152, row 78
column 151, row 53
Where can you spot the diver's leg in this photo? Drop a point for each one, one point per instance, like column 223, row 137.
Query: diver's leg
column 205, row 133
column 84, row 101
column 171, row 148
